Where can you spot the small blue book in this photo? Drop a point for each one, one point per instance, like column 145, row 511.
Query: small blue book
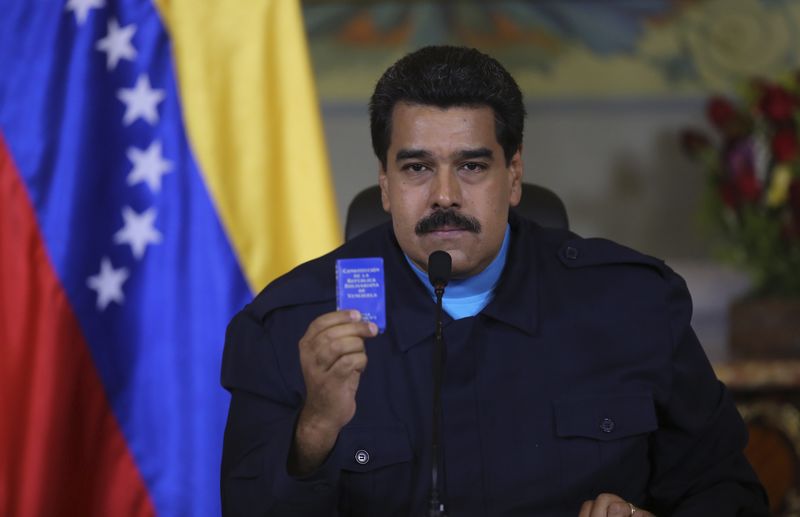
column 359, row 285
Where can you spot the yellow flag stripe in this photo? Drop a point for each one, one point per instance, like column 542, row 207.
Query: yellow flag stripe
column 253, row 122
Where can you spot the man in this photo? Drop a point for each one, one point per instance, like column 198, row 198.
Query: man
column 573, row 383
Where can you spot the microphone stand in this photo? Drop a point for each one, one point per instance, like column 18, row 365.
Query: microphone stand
column 436, row 507
column 439, row 269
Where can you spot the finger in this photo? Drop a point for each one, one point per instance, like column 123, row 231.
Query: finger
column 347, row 364
column 336, row 341
column 327, row 356
column 618, row 509
column 325, row 336
column 602, row 503
column 330, row 319
column 586, row 509
column 360, row 329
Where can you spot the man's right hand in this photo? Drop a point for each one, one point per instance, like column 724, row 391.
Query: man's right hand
column 332, row 357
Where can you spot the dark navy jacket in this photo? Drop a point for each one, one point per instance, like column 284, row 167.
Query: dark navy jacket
column 582, row 376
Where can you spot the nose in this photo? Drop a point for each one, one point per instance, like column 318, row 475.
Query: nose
column 445, row 190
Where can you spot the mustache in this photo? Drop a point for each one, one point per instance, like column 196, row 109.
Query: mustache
column 447, row 219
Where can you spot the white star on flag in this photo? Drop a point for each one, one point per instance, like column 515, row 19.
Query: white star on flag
column 117, row 43
column 148, row 166
column 81, row 8
column 138, row 230
column 108, row 284
column 141, row 101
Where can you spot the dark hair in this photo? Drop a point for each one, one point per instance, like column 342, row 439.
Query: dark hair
column 446, row 76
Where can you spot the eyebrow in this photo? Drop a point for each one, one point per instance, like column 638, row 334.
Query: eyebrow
column 412, row 154
column 466, row 154
column 481, row 152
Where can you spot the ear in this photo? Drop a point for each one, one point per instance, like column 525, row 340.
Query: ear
column 383, row 181
column 515, row 172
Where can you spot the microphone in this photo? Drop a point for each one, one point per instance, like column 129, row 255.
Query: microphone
column 439, row 269
column 440, row 266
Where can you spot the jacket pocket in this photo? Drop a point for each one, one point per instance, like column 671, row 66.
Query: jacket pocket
column 606, row 417
column 364, row 449
column 376, row 463
column 604, row 441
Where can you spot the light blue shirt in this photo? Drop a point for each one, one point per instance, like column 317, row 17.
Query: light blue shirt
column 468, row 296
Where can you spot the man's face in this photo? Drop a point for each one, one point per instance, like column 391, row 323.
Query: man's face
column 445, row 172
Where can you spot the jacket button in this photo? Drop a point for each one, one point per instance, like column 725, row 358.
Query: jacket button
column 362, row 457
column 571, row 253
column 607, row 425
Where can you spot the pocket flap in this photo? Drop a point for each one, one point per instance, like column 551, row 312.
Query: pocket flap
column 605, row 417
column 363, row 449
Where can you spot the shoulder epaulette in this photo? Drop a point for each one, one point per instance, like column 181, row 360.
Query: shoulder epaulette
column 302, row 285
column 579, row 252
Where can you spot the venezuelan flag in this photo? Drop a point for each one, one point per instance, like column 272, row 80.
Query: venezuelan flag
column 159, row 163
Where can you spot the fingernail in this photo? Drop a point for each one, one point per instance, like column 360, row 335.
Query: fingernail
column 355, row 315
column 373, row 329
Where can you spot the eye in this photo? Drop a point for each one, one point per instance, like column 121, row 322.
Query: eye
column 415, row 167
column 474, row 167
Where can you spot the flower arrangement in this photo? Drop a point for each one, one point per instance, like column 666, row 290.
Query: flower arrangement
column 753, row 168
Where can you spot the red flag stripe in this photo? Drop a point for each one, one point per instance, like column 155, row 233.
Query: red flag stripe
column 61, row 449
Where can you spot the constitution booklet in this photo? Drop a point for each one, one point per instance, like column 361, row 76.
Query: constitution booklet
column 360, row 286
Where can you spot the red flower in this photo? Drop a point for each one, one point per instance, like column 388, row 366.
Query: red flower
column 727, row 118
column 785, row 146
column 777, row 104
column 748, row 186
column 740, row 190
column 740, row 184
column 721, row 112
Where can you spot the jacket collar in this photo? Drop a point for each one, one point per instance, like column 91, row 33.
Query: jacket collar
column 516, row 297
column 411, row 312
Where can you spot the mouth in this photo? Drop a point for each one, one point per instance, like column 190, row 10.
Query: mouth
column 447, row 231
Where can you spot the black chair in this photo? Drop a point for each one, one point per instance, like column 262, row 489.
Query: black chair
column 538, row 204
